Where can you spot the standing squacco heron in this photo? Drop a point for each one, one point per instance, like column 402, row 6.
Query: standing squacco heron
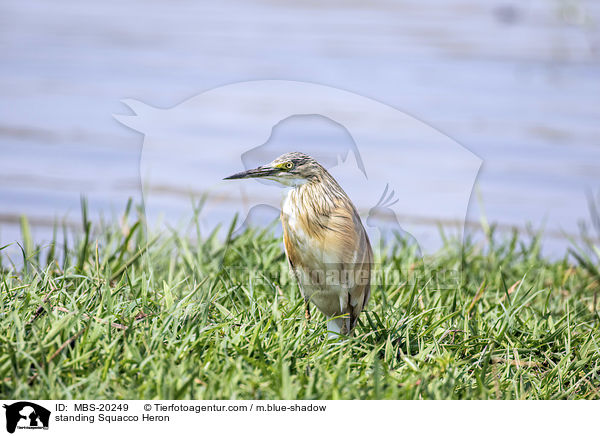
column 327, row 247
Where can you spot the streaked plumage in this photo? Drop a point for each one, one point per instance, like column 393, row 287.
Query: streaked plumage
column 325, row 242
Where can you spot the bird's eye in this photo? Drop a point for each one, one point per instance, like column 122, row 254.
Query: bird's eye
column 288, row 165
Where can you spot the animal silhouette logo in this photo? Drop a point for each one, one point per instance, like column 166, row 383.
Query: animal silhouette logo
column 188, row 148
column 26, row 415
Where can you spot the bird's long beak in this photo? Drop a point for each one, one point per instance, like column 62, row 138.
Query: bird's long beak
column 256, row 172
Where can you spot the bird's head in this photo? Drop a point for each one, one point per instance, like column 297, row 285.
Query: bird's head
column 290, row 169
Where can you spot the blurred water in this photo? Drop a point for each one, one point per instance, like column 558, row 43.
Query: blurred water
column 517, row 83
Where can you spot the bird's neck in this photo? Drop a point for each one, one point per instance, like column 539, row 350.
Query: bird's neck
column 316, row 197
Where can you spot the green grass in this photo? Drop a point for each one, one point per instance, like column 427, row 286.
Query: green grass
column 127, row 316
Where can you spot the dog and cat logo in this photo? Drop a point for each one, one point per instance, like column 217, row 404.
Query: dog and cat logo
column 26, row 415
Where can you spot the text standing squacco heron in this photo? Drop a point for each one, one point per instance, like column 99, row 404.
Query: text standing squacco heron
column 325, row 242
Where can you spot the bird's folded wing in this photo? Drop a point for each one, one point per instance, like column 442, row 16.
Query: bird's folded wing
column 346, row 240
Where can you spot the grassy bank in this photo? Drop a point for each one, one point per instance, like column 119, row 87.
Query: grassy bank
column 123, row 315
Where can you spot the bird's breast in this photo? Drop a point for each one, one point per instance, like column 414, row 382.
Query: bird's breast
column 313, row 261
column 301, row 245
